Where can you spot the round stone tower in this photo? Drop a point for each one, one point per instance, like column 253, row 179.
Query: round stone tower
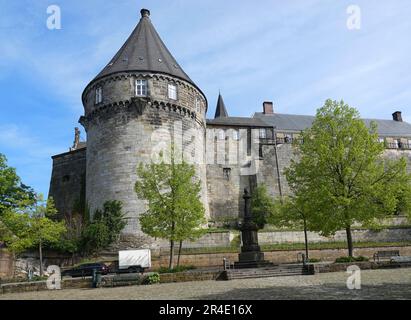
column 138, row 102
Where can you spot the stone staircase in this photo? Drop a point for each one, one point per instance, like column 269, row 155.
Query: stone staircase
column 275, row 271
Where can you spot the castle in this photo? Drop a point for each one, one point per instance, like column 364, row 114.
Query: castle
column 143, row 100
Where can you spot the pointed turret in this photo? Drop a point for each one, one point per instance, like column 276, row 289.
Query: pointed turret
column 221, row 111
column 144, row 51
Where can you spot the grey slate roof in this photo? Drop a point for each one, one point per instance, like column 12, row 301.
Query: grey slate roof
column 220, row 110
column 238, row 122
column 291, row 122
column 144, row 51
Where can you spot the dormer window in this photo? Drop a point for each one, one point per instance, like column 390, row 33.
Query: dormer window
column 99, row 95
column 172, row 92
column 141, row 88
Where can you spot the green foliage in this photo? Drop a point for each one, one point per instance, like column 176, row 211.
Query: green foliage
column 341, row 177
column 262, row 206
column 176, row 269
column 32, row 227
column 13, row 193
column 153, row 279
column 105, row 228
column 351, row 259
column 174, row 208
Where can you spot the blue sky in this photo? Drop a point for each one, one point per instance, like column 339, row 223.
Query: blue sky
column 295, row 53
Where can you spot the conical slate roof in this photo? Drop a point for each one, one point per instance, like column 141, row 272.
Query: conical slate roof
column 220, row 111
column 144, row 51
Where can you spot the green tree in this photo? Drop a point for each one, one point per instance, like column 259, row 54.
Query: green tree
column 341, row 172
column 34, row 227
column 175, row 211
column 262, row 206
column 292, row 212
column 13, row 193
column 104, row 229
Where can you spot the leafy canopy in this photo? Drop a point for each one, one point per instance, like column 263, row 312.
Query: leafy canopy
column 13, row 193
column 341, row 175
column 174, row 208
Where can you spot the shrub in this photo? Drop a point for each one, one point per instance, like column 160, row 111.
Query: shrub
column 176, row 269
column 351, row 259
column 313, row 260
column 152, row 279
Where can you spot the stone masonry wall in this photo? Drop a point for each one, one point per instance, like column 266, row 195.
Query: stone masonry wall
column 132, row 130
column 67, row 184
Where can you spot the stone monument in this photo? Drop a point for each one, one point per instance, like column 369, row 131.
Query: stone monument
column 251, row 255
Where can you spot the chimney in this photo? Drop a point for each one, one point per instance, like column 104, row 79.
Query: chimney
column 396, row 116
column 268, row 107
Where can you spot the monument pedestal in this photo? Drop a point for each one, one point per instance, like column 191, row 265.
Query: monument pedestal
column 251, row 255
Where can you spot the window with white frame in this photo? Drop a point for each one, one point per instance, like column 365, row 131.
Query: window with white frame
column 263, row 133
column 236, row 135
column 99, row 95
column 172, row 91
column 141, row 88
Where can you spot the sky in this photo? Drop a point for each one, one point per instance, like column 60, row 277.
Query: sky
column 296, row 53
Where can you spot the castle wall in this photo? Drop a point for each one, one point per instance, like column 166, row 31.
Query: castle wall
column 124, row 134
column 67, row 186
column 225, row 194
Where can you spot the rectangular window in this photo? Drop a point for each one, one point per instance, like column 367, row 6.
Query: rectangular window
column 141, row 88
column 197, row 105
column 99, row 95
column 236, row 135
column 172, row 92
column 227, row 173
column 263, row 133
column 249, row 141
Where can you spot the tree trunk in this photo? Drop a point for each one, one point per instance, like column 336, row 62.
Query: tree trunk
column 306, row 240
column 41, row 258
column 170, row 265
column 179, row 252
column 349, row 241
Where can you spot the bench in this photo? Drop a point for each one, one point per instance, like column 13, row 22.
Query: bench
column 386, row 255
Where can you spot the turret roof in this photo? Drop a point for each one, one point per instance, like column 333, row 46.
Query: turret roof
column 220, row 111
column 144, row 51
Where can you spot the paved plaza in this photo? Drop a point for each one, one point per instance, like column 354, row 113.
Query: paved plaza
column 375, row 284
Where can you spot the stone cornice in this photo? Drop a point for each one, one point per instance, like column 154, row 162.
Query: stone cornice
column 137, row 105
column 158, row 76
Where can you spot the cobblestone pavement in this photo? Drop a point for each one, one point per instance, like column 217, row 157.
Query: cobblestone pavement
column 376, row 284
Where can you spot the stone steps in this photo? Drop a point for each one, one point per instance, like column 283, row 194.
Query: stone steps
column 277, row 271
